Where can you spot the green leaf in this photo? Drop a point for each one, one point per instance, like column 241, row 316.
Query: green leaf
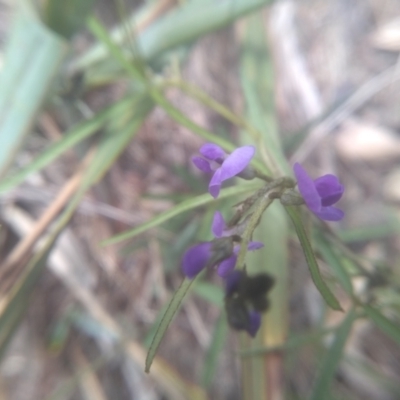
column 384, row 323
column 311, row 261
column 170, row 313
column 183, row 25
column 33, row 56
column 217, row 344
column 334, row 262
column 66, row 17
column 186, row 205
column 332, row 358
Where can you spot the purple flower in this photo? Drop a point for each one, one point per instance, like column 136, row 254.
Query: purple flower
column 320, row 194
column 219, row 251
column 222, row 166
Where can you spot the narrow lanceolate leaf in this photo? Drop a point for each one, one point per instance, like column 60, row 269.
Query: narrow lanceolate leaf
column 311, row 261
column 332, row 358
column 335, row 263
column 169, row 315
column 384, row 323
column 186, row 205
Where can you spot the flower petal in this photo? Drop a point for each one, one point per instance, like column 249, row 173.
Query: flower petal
column 330, row 214
column 254, row 245
column 236, row 162
column 255, row 323
column 195, row 259
column 307, row 188
column 202, row 164
column 329, row 188
column 212, row 151
column 218, row 224
column 226, row 266
column 215, row 184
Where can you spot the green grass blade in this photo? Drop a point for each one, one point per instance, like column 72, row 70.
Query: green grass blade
column 66, row 17
column 332, row 359
column 116, row 138
column 217, row 344
column 189, row 22
column 311, row 261
column 170, row 313
column 384, row 323
column 70, row 139
column 186, row 205
column 335, row 263
column 32, row 58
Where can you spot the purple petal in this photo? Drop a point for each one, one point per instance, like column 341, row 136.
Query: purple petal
column 215, row 184
column 307, row 188
column 202, row 164
column 212, row 151
column 330, row 214
column 237, row 161
column 232, row 281
column 195, row 259
column 255, row 245
column 226, row 266
column 218, row 224
column 329, row 188
column 255, row 323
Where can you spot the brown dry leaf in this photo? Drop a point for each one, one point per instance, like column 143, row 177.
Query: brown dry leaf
column 360, row 141
column 387, row 37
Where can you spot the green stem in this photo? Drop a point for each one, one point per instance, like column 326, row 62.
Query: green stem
column 267, row 196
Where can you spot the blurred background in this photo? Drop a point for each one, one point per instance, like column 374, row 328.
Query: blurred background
column 97, row 153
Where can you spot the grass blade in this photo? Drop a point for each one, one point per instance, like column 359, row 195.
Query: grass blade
column 187, row 23
column 70, row 139
column 311, row 261
column 332, row 359
column 32, row 58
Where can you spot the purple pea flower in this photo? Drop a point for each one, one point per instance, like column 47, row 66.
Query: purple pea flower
column 320, row 194
column 222, row 166
column 220, row 251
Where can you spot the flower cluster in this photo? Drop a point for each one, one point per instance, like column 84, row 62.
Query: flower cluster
column 245, row 296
